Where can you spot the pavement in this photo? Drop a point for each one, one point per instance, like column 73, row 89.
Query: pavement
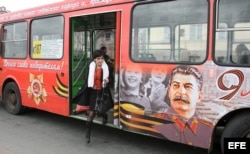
column 5, row 151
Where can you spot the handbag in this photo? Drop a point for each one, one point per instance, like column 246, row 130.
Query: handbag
column 105, row 102
column 82, row 100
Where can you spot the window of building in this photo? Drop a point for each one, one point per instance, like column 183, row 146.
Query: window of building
column 195, row 32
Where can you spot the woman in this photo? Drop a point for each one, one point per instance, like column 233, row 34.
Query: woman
column 132, row 88
column 155, row 89
column 98, row 73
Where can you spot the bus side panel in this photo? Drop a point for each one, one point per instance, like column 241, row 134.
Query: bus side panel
column 43, row 85
column 53, row 92
column 218, row 90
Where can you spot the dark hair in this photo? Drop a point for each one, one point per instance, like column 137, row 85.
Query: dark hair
column 187, row 70
column 103, row 47
column 97, row 53
column 240, row 48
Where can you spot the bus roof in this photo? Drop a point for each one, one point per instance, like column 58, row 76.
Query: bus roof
column 58, row 7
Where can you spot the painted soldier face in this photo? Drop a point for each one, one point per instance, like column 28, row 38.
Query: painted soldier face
column 133, row 76
column 184, row 94
column 158, row 75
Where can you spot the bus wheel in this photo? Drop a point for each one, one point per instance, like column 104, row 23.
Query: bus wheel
column 12, row 99
column 237, row 127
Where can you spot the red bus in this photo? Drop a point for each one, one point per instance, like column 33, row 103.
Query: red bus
column 181, row 68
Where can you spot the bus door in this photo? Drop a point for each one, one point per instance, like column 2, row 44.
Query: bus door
column 80, row 54
column 89, row 33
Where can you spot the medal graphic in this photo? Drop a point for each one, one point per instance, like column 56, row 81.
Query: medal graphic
column 35, row 90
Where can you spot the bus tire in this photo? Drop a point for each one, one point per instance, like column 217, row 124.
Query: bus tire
column 12, row 99
column 237, row 127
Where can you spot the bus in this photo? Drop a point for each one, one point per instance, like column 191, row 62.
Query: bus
column 180, row 68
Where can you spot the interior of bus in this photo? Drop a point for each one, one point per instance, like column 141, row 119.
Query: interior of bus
column 89, row 33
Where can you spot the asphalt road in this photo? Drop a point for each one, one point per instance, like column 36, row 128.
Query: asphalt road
column 38, row 132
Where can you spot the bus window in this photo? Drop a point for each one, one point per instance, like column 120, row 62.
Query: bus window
column 47, row 38
column 190, row 43
column 14, row 41
column 81, row 44
column 153, row 43
column 221, row 41
column 173, row 34
column 105, row 38
column 241, row 44
column 232, row 30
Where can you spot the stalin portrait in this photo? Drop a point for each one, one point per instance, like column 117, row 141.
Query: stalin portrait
column 184, row 92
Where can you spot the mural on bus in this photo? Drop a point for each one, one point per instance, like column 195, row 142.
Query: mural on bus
column 180, row 102
column 36, row 91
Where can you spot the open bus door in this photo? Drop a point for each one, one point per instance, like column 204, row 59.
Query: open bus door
column 89, row 33
column 80, row 55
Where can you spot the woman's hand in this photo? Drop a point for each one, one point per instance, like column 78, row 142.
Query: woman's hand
column 106, row 80
column 158, row 92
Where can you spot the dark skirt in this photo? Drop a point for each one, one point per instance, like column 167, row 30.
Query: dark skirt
column 94, row 94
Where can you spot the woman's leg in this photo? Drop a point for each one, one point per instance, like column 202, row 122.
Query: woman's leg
column 89, row 125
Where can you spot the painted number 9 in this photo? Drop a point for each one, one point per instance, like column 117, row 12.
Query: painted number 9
column 234, row 88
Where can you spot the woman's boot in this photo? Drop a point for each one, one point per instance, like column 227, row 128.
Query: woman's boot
column 88, row 132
